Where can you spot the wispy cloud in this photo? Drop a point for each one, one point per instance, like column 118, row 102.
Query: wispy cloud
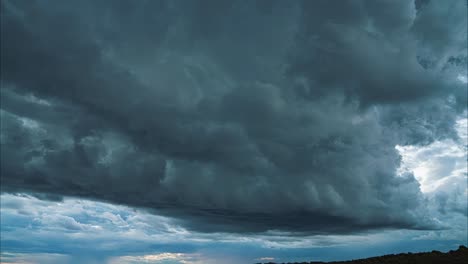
column 158, row 258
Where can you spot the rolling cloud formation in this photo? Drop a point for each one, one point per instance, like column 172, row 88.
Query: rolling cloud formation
column 232, row 116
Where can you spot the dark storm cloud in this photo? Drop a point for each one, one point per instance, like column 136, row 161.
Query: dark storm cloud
column 370, row 49
column 230, row 116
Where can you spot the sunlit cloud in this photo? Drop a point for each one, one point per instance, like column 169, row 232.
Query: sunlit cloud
column 434, row 164
column 462, row 78
column 157, row 258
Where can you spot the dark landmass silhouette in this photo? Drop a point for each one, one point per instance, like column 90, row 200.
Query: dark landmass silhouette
column 459, row 256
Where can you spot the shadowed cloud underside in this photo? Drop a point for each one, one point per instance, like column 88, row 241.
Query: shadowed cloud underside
column 232, row 116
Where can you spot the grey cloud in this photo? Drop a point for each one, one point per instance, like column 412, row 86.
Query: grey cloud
column 357, row 53
column 240, row 116
column 434, row 33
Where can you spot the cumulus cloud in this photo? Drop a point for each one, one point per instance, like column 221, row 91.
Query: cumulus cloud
column 238, row 117
column 440, row 167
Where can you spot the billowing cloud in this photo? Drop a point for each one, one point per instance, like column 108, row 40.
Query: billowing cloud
column 238, row 117
column 441, row 169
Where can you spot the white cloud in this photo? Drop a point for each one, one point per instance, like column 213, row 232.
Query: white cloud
column 156, row 258
column 33, row 258
column 463, row 79
column 435, row 164
column 441, row 169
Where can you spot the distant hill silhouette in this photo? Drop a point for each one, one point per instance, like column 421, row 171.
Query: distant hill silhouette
column 459, row 256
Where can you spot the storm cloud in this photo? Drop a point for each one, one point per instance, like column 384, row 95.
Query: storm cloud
column 231, row 116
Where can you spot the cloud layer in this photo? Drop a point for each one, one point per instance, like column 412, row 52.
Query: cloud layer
column 82, row 231
column 231, row 116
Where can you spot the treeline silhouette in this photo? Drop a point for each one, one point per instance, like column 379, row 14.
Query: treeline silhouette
column 459, row 256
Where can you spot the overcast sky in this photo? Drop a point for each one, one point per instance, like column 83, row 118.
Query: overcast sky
column 231, row 131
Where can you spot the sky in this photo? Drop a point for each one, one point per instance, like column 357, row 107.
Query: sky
column 234, row 131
